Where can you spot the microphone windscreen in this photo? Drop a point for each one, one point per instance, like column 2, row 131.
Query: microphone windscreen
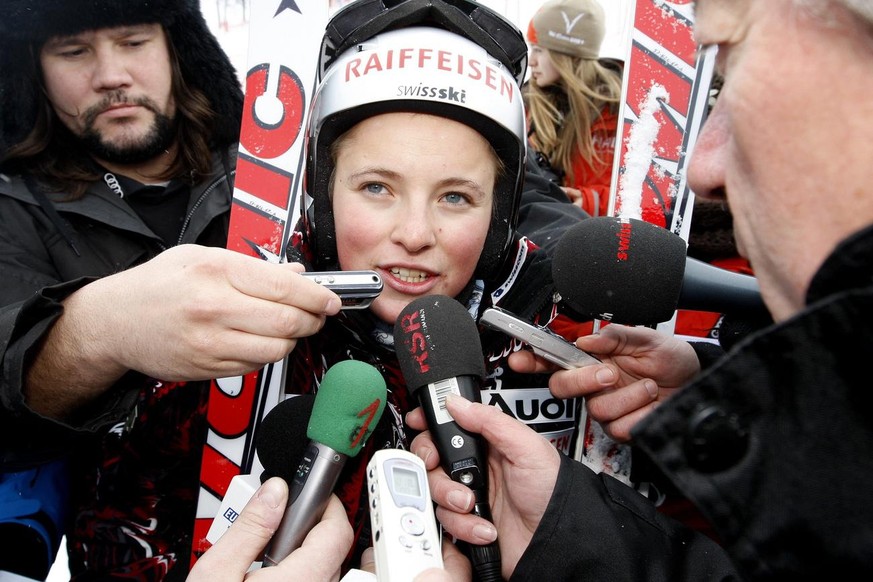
column 436, row 338
column 348, row 404
column 281, row 437
column 622, row 270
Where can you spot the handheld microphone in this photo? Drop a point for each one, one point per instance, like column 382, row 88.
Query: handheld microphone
column 626, row 270
column 280, row 442
column 439, row 351
column 706, row 287
column 347, row 407
column 281, row 437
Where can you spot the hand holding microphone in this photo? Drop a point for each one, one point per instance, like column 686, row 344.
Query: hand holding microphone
column 347, row 408
column 524, row 467
column 633, row 272
column 319, row 558
column 439, row 351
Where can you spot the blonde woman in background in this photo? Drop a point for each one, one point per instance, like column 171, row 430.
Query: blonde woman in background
column 573, row 97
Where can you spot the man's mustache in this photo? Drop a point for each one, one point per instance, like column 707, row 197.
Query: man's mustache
column 114, row 99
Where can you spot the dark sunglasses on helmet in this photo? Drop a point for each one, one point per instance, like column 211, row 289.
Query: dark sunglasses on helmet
column 364, row 19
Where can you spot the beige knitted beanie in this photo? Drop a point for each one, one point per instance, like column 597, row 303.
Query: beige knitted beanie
column 572, row 27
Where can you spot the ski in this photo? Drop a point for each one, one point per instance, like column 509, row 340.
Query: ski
column 283, row 44
column 664, row 103
column 665, row 91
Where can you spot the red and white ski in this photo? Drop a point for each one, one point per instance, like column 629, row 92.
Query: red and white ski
column 665, row 91
column 664, row 102
column 284, row 41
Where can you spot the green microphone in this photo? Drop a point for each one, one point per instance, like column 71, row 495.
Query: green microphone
column 347, row 407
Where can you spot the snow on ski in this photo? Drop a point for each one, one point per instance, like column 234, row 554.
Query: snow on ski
column 666, row 85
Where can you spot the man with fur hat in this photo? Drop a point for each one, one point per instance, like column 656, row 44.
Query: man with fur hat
column 118, row 122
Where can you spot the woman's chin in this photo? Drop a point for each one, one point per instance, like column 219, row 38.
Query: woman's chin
column 387, row 309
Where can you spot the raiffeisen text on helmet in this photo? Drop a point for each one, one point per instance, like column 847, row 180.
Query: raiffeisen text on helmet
column 437, row 60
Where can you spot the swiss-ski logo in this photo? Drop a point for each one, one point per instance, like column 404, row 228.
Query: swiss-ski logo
column 444, row 93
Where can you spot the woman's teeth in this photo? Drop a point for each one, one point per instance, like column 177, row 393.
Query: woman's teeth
column 409, row 275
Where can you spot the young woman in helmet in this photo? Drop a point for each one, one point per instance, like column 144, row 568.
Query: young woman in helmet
column 415, row 161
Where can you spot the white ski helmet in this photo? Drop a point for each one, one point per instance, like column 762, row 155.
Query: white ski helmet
column 420, row 69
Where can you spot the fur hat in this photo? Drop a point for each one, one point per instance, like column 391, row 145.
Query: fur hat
column 571, row 27
column 27, row 24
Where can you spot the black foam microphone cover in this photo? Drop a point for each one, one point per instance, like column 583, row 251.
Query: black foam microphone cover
column 439, row 339
column 281, row 438
column 621, row 270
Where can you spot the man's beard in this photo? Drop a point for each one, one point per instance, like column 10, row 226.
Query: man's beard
column 155, row 142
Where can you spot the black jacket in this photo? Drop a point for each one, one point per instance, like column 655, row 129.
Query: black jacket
column 49, row 250
column 136, row 450
column 774, row 443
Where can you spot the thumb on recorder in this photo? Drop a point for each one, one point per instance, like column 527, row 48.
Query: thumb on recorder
column 523, row 469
